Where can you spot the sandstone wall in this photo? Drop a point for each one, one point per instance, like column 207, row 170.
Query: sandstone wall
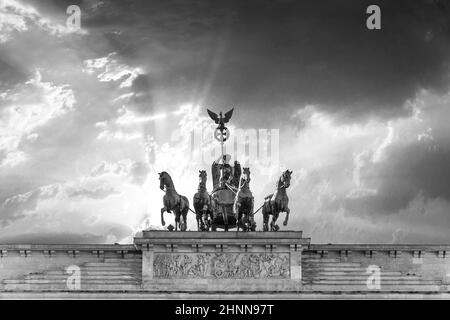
column 376, row 268
column 69, row 268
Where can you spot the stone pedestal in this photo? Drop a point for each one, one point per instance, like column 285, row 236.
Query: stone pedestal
column 221, row 261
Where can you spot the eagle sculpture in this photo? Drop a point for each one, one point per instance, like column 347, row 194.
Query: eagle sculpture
column 220, row 119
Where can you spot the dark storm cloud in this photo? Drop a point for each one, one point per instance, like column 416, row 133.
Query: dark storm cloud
column 408, row 171
column 272, row 55
column 141, row 99
column 10, row 75
column 14, row 208
column 98, row 193
column 136, row 172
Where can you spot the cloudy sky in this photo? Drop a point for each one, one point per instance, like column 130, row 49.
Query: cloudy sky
column 89, row 116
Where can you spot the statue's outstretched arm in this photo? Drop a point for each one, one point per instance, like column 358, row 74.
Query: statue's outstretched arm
column 219, row 159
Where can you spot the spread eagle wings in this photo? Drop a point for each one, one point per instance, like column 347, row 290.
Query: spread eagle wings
column 216, row 118
column 227, row 116
column 213, row 116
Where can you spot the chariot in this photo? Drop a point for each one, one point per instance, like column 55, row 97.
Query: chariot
column 230, row 204
column 222, row 216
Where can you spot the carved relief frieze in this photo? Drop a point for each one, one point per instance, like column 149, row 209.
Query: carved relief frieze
column 221, row 265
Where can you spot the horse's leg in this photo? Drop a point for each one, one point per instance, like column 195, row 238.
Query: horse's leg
column 252, row 216
column 177, row 219
column 265, row 219
column 180, row 222
column 209, row 219
column 202, row 220
column 236, row 211
column 205, row 219
column 185, row 217
column 204, row 216
column 236, row 206
column 184, row 213
column 241, row 216
column 184, row 223
column 197, row 217
column 287, row 217
column 202, row 223
column 273, row 225
column 163, row 209
column 246, row 215
column 244, row 219
column 207, row 214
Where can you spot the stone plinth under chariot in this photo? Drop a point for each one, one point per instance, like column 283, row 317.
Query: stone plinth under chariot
column 221, row 261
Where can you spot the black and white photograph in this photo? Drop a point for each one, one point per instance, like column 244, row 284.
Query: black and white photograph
column 247, row 151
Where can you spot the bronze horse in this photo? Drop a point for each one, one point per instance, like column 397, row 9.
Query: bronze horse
column 243, row 203
column 276, row 203
column 173, row 201
column 202, row 204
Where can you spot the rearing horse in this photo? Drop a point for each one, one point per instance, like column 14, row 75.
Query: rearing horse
column 173, row 201
column 243, row 203
column 202, row 204
column 276, row 203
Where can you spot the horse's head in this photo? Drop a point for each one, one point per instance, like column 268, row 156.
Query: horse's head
column 246, row 173
column 202, row 176
column 286, row 178
column 163, row 179
column 245, row 176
